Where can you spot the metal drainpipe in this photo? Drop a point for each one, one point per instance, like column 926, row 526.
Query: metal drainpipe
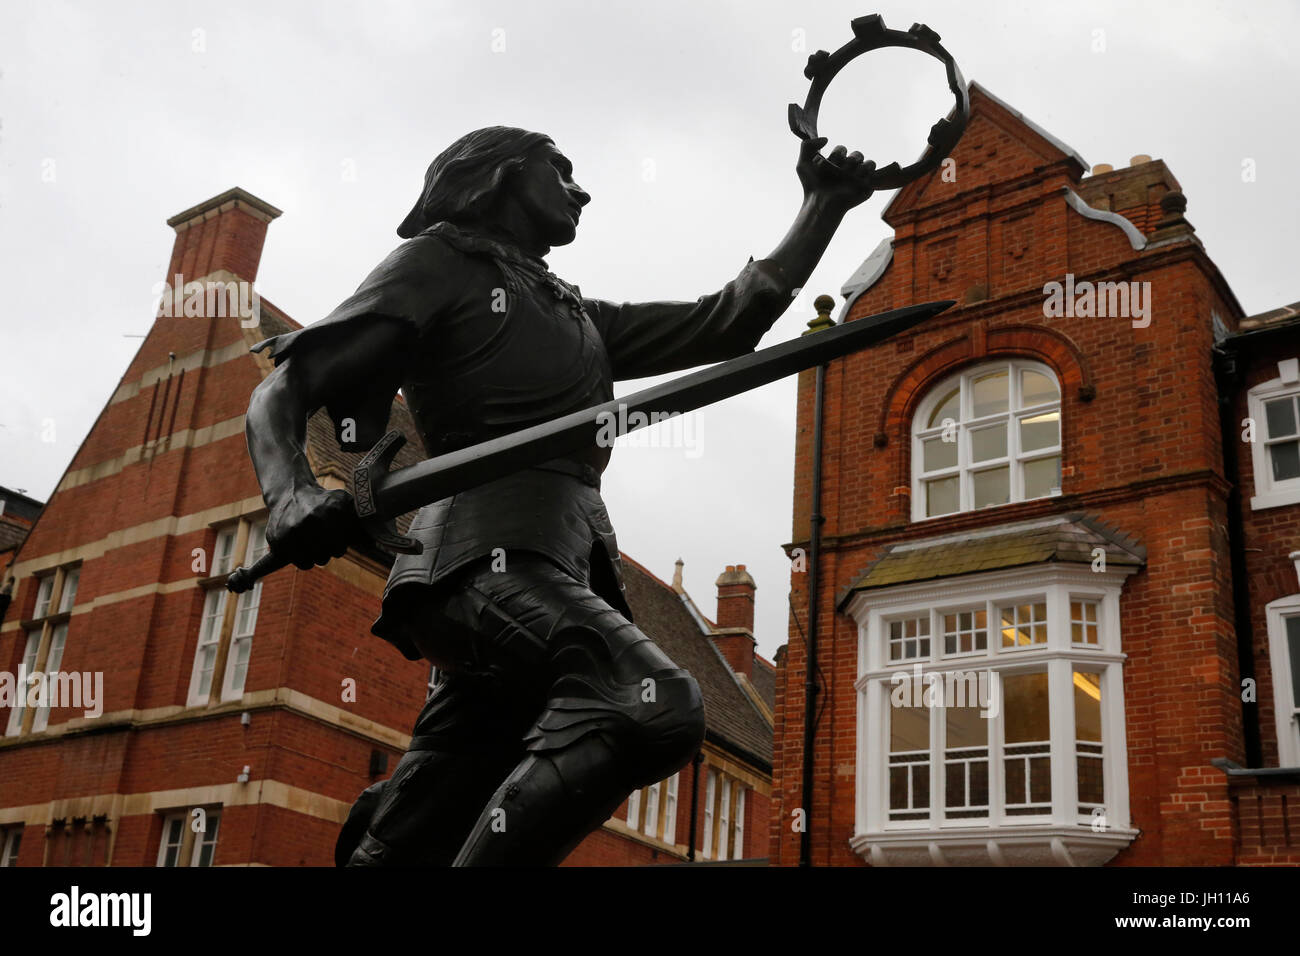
column 823, row 305
column 695, row 801
column 1228, row 369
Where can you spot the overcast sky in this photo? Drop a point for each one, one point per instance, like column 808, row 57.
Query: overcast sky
column 116, row 116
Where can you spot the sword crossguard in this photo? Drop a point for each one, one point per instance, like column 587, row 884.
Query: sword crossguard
column 371, row 527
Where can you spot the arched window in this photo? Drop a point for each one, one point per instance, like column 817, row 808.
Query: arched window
column 988, row 436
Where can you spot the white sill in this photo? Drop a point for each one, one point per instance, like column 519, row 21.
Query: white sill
column 1275, row 499
column 1055, row 493
column 1043, row 844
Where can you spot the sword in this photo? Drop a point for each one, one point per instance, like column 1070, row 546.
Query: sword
column 380, row 495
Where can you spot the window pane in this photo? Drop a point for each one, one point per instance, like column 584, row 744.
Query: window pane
column 1024, row 625
column 939, row 454
column 1280, row 414
column 987, row 443
column 31, row 650
column 1286, row 460
column 992, row 487
column 1036, row 389
column 1083, row 622
column 1293, row 646
column 1042, row 476
column 989, row 394
column 256, row 542
column 651, row 810
column 1088, row 742
column 966, row 775
column 909, row 727
column 1087, row 706
column 224, row 549
column 965, row 728
column 69, row 595
column 1040, row 431
column 44, row 591
column 941, row 496
column 909, row 758
column 58, row 638
column 1024, row 702
column 948, row 407
column 965, row 632
column 909, row 638
column 1027, row 744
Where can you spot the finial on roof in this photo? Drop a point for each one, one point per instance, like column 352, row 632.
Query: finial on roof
column 677, row 577
column 823, row 304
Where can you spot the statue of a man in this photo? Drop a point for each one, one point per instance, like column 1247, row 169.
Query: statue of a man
column 552, row 705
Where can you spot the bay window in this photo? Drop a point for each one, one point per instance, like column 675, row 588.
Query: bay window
column 991, row 719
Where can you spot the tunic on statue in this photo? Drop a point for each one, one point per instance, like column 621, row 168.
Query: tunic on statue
column 496, row 343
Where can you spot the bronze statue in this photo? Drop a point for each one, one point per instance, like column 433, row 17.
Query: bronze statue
column 552, row 705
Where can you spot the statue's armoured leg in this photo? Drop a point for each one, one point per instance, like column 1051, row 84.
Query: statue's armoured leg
column 466, row 740
column 618, row 714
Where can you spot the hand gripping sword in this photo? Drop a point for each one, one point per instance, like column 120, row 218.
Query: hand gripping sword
column 380, row 495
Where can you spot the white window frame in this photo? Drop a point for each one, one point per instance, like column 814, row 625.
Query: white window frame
column 659, row 802
column 634, row 810
column 1270, row 493
column 738, row 825
column 209, row 837
column 966, row 467
column 1286, row 709
column 710, row 794
column 244, row 625
column 53, row 660
column 724, row 819
column 68, row 597
column 670, row 812
column 180, row 818
column 44, row 595
column 651, row 826
column 10, row 845
column 214, row 612
column 30, row 652
column 1064, row 833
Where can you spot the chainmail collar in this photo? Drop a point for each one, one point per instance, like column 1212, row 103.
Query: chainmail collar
column 512, row 261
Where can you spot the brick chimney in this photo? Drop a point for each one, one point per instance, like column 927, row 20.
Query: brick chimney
column 224, row 233
column 734, row 636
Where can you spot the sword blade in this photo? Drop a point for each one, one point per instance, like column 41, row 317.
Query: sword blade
column 414, row 486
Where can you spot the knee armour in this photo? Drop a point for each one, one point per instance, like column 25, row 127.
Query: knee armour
column 613, row 681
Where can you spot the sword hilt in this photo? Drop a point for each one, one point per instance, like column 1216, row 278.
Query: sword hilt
column 370, row 527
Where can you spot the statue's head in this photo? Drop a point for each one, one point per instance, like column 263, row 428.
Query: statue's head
column 513, row 179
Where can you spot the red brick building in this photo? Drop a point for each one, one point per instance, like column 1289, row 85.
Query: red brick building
column 1055, row 619
column 188, row 726
column 18, row 513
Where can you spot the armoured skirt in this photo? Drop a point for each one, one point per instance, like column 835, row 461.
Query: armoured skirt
column 554, row 510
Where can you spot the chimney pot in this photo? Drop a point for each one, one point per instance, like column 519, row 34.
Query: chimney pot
column 1102, row 168
column 736, row 598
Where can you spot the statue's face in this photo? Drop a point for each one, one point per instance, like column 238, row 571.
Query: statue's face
column 546, row 193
